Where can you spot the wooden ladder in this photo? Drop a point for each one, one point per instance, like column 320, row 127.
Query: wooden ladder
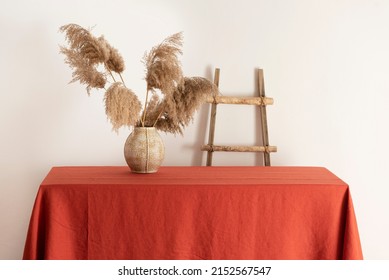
column 261, row 101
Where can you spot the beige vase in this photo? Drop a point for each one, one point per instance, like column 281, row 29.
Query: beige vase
column 144, row 150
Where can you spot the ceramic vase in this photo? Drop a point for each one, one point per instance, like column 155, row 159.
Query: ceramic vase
column 144, row 150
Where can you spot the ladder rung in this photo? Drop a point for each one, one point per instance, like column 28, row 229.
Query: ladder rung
column 215, row 148
column 240, row 100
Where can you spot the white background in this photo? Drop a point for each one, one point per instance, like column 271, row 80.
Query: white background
column 325, row 64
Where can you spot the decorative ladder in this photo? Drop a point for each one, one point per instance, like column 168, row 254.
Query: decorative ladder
column 261, row 101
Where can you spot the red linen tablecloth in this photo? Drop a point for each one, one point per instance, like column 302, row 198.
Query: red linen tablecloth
column 193, row 213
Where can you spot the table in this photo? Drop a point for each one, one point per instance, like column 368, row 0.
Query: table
column 193, row 213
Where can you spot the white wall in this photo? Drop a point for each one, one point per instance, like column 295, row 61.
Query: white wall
column 325, row 63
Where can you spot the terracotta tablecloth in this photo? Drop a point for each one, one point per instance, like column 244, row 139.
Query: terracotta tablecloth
column 193, row 213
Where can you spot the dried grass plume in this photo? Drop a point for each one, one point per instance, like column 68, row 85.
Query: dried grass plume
column 95, row 63
column 121, row 106
column 176, row 110
column 163, row 69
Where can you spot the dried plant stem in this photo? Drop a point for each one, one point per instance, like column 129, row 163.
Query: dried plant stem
column 113, row 78
column 159, row 115
column 109, row 71
column 121, row 78
column 145, row 108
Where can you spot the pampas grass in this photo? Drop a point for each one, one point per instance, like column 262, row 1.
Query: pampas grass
column 95, row 63
column 84, row 72
column 176, row 111
column 163, row 69
column 121, row 106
